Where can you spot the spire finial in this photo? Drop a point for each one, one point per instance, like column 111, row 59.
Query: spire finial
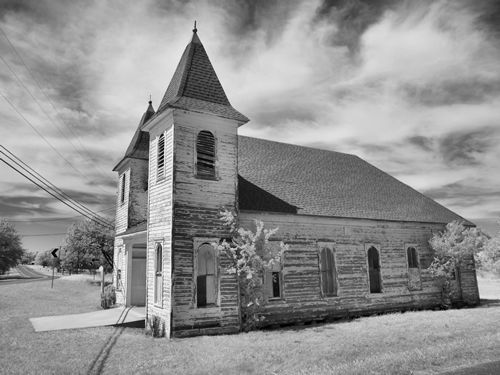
column 195, row 29
column 150, row 102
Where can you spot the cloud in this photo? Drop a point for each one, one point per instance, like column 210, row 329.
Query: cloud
column 466, row 147
column 411, row 86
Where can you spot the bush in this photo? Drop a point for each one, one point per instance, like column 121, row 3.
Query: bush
column 155, row 327
column 108, row 297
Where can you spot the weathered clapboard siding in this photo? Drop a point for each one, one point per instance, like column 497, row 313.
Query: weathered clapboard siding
column 351, row 239
column 138, row 186
column 121, row 216
column 120, row 264
column 197, row 203
column 160, row 204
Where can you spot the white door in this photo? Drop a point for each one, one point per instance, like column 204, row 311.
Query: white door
column 138, row 288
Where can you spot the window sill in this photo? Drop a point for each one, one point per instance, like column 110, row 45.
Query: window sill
column 276, row 301
column 208, row 178
column 208, row 309
column 330, row 297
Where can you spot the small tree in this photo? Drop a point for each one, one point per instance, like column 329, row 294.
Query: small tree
column 28, row 257
column 489, row 258
column 452, row 247
column 85, row 242
column 11, row 250
column 46, row 259
column 249, row 254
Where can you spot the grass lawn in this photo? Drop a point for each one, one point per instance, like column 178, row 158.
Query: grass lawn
column 415, row 342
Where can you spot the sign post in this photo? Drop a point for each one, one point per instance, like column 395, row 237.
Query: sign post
column 53, row 267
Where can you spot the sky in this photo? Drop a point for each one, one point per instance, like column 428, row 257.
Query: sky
column 413, row 87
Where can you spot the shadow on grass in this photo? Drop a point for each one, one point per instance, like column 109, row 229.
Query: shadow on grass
column 99, row 362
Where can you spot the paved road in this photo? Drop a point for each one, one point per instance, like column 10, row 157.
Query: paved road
column 28, row 275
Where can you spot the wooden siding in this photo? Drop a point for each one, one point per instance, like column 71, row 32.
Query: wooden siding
column 160, row 225
column 197, row 202
column 351, row 239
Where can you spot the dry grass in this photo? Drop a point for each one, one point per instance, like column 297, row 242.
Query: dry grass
column 427, row 342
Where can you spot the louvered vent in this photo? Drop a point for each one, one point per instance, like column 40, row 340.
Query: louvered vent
column 205, row 154
column 161, row 157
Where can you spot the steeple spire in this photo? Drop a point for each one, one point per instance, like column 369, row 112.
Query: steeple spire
column 195, row 85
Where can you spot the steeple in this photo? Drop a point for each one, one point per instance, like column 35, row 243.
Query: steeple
column 139, row 145
column 195, row 85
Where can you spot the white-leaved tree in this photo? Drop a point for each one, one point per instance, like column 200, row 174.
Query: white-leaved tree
column 249, row 254
column 453, row 247
column 489, row 258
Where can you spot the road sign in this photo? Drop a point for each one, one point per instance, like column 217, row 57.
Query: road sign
column 54, row 252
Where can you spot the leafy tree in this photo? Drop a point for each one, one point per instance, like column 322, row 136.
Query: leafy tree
column 88, row 245
column 46, row 259
column 11, row 250
column 249, row 254
column 489, row 258
column 28, row 257
column 452, row 247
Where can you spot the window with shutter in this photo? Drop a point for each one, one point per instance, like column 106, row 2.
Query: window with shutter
column 206, row 278
column 374, row 270
column 205, row 154
column 272, row 281
column 328, row 273
column 158, row 274
column 412, row 256
column 122, row 188
column 160, row 170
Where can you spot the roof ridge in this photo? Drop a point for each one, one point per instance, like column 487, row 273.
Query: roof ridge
column 301, row 146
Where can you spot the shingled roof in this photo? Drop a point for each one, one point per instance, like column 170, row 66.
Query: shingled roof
column 327, row 183
column 195, row 85
column 139, row 145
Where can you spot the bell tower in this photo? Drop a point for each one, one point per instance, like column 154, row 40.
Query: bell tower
column 193, row 174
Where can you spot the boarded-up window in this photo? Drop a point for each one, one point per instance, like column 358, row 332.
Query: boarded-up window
column 412, row 257
column 205, row 154
column 161, row 157
column 122, row 188
column 158, row 273
column 206, row 279
column 374, row 270
column 328, row 273
column 272, row 281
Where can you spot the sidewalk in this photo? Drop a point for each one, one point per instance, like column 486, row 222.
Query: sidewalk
column 109, row 317
column 489, row 368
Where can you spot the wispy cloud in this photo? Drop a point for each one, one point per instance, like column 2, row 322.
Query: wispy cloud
column 411, row 86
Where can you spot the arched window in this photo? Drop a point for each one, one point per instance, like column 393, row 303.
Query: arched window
column 158, row 273
column 328, row 272
column 374, row 270
column 206, row 280
column 412, row 256
column 205, row 154
column 160, row 170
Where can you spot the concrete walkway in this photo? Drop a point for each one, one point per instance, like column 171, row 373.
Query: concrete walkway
column 489, row 368
column 109, row 317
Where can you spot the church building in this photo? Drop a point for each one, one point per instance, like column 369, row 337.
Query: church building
column 357, row 237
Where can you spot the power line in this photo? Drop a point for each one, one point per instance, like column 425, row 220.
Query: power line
column 41, row 234
column 41, row 135
column 39, row 220
column 84, row 149
column 72, row 206
column 47, row 183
